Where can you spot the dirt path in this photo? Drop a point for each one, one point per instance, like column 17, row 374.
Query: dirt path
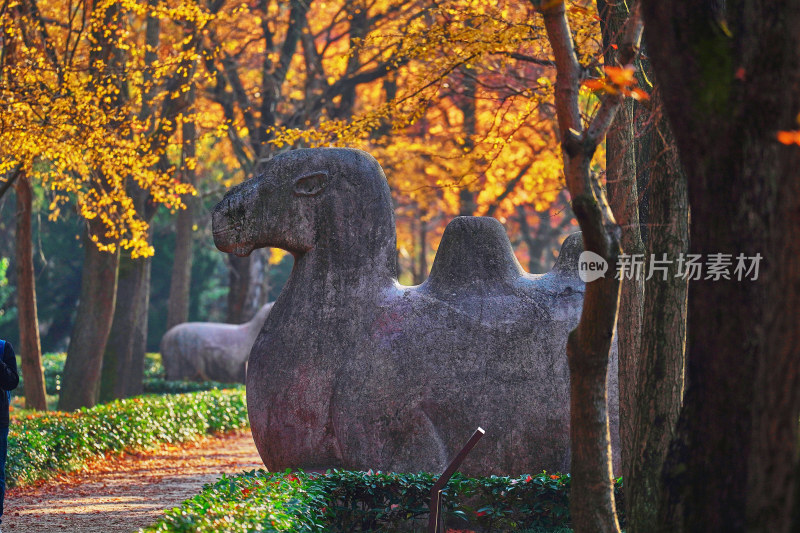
column 122, row 495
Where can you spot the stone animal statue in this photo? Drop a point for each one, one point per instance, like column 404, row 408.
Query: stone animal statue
column 208, row 351
column 354, row 370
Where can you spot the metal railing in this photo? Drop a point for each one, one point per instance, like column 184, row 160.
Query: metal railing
column 435, row 522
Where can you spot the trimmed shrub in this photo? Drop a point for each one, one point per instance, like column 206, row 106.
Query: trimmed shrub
column 252, row 501
column 154, row 382
column 53, row 366
column 162, row 386
column 42, row 444
column 344, row 501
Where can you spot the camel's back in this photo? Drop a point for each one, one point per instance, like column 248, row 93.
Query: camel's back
column 480, row 343
column 476, row 271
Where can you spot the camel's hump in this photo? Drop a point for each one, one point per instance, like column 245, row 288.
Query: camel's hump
column 474, row 250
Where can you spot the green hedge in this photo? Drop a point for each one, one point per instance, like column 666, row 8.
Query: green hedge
column 53, row 366
column 343, row 501
column 154, row 382
column 162, row 386
column 42, row 444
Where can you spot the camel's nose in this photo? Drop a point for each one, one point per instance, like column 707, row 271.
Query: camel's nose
column 225, row 226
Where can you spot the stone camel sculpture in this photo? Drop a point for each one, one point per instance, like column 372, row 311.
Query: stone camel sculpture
column 354, row 370
column 208, row 351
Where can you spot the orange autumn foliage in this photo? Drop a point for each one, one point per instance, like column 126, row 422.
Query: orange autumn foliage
column 392, row 77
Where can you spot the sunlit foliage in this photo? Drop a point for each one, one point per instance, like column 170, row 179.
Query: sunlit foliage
column 454, row 98
column 79, row 113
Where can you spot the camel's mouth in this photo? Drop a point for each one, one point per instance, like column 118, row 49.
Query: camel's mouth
column 228, row 239
column 242, row 250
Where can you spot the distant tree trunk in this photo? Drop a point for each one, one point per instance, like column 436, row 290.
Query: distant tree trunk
column 135, row 368
column 181, row 281
column 131, row 345
column 124, row 342
column 660, row 376
column 239, row 286
column 623, row 197
column 81, row 377
column 729, row 81
column 422, row 264
column 258, row 290
column 466, row 197
column 30, row 348
column 530, row 242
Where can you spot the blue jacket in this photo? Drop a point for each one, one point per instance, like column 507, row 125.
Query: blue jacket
column 9, row 379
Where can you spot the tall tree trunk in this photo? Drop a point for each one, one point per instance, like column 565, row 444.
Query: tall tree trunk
column 30, row 348
column 181, row 280
column 258, row 290
column 623, row 197
column 239, row 286
column 466, row 198
column 730, row 81
column 119, row 355
column 81, row 377
column 422, row 273
column 180, row 284
column 123, row 365
column 135, row 368
column 660, row 377
column 592, row 505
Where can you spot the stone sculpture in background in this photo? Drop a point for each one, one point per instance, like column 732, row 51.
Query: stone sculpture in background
column 354, row 370
column 209, row 351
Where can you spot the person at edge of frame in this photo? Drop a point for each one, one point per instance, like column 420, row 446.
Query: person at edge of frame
column 9, row 379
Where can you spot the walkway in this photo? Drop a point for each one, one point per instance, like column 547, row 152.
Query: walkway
column 123, row 494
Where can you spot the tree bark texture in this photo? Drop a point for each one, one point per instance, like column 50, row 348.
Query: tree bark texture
column 30, row 348
column 81, row 377
column 660, row 378
column 239, row 285
column 466, row 103
column 135, row 370
column 180, row 284
column 126, row 330
column 730, row 81
column 422, row 263
column 623, row 197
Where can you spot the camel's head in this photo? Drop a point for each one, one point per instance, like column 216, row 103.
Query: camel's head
column 305, row 197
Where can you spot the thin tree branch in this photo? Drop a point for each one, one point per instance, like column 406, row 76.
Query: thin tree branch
column 10, row 181
column 510, row 186
column 527, row 59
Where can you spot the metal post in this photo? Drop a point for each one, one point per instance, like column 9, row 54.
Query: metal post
column 435, row 520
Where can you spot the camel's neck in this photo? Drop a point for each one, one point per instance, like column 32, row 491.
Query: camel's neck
column 340, row 273
column 353, row 255
column 323, row 270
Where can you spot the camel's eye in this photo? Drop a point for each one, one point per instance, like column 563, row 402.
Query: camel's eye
column 310, row 184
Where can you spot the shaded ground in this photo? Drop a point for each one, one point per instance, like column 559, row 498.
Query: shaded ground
column 123, row 494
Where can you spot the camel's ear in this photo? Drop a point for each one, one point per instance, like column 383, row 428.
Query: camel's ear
column 310, row 184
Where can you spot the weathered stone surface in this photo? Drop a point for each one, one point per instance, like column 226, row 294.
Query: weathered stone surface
column 208, row 351
column 354, row 370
